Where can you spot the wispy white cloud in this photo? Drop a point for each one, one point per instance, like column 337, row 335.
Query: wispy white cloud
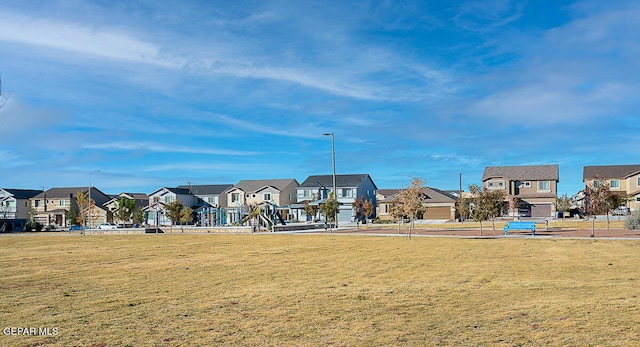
column 79, row 38
column 163, row 148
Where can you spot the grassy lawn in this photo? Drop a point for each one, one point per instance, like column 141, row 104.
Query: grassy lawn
column 319, row 290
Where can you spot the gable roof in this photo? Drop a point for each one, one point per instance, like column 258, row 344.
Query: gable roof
column 252, row 186
column 177, row 191
column 22, row 193
column 65, row 193
column 610, row 171
column 207, row 189
column 431, row 195
column 342, row 181
column 523, row 173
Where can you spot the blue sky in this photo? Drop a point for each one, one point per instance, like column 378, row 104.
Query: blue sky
column 161, row 93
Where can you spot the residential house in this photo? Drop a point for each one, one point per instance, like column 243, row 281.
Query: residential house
column 211, row 198
column 350, row 187
column 52, row 206
column 533, row 187
column 212, row 194
column 15, row 208
column 623, row 179
column 155, row 212
column 438, row 204
column 141, row 201
column 280, row 193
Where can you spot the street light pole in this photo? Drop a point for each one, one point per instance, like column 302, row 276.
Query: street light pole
column 90, row 201
column 333, row 162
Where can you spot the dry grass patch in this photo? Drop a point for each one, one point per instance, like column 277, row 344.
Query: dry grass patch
column 331, row 290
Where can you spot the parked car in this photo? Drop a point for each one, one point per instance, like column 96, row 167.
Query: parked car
column 76, row 227
column 107, row 226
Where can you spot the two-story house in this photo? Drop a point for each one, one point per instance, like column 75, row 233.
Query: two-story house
column 52, row 206
column 141, row 201
column 350, row 188
column 211, row 199
column 535, row 187
column 623, row 179
column 156, row 213
column 438, row 204
column 15, row 207
column 280, row 193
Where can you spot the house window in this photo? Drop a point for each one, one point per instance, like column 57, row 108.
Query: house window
column 638, row 199
column 638, row 182
column 500, row 184
column 527, row 184
column 168, row 199
column 36, row 203
column 61, row 203
column 307, row 193
column 267, row 196
column 490, row 184
column 235, row 197
column 347, row 193
column 615, row 184
column 543, row 185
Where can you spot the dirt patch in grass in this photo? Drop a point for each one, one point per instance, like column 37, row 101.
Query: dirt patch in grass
column 331, row 290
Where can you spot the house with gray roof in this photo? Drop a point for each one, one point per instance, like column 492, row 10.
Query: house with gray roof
column 15, row 207
column 439, row 204
column 280, row 193
column 210, row 194
column 533, row 187
column 155, row 212
column 141, row 201
column 349, row 187
column 52, row 206
column 622, row 179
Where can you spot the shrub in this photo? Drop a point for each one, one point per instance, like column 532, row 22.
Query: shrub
column 633, row 221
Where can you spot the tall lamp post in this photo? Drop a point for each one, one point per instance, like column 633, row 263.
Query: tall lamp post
column 91, row 201
column 333, row 162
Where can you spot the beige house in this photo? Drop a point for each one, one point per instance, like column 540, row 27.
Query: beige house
column 278, row 192
column 53, row 205
column 439, row 204
column 534, row 187
column 623, row 179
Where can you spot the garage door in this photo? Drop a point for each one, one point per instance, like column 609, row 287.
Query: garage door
column 440, row 212
column 541, row 210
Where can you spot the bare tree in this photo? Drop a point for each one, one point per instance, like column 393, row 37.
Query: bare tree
column 596, row 195
column 413, row 197
column 463, row 207
column 358, row 206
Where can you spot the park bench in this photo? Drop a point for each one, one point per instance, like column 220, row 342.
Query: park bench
column 520, row 226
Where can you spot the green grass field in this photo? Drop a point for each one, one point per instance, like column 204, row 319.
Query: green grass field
column 318, row 290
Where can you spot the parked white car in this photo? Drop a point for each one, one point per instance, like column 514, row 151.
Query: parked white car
column 107, row 226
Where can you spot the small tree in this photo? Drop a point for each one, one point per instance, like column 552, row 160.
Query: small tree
column 514, row 206
column 633, row 221
column 595, row 200
column 396, row 209
column 614, row 201
column 487, row 204
column 187, row 215
column 124, row 213
column 563, row 204
column 369, row 208
column 463, row 207
column 413, row 197
column 84, row 204
column 138, row 215
column 330, row 208
column 174, row 212
column 358, row 206
column 311, row 210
